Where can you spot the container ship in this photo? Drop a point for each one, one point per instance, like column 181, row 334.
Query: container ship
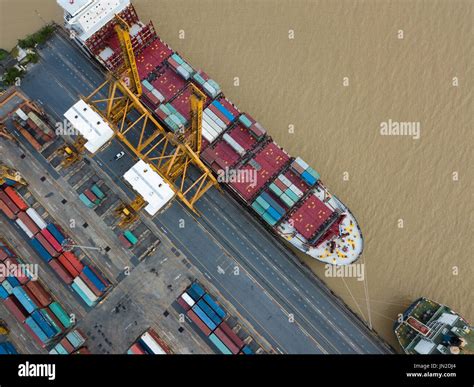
column 428, row 327
column 284, row 192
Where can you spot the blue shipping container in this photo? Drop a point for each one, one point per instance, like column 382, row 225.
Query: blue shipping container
column 24, row 299
column 203, row 316
column 247, row 350
column 273, row 203
column 274, row 213
column 38, row 247
column 219, row 344
column 13, row 281
column 308, row 178
column 43, row 324
column 36, row 329
column 145, row 347
column 209, row 312
column 3, row 293
column 198, row 289
column 214, row 306
column 94, row 279
column 56, row 233
column 223, row 110
column 7, row 348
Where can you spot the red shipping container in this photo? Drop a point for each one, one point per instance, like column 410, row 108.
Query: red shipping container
column 9, row 213
column 137, row 350
column 68, row 266
column 23, row 216
column 50, row 238
column 203, row 327
column 124, row 241
column 41, row 294
column 159, row 340
column 61, row 271
column 67, row 345
column 13, row 195
column 231, row 334
column 90, row 285
column 15, row 308
column 226, row 340
column 218, row 113
column 71, row 257
column 50, row 249
column 3, row 255
column 183, row 304
column 54, row 318
column 90, row 195
column 9, row 203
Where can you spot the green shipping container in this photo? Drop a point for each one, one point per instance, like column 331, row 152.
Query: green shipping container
column 97, row 192
column 275, row 189
column 61, row 314
column 131, row 238
column 292, row 195
column 262, row 202
column 269, row 219
column 258, row 208
column 313, row 173
column 86, row 201
column 286, row 199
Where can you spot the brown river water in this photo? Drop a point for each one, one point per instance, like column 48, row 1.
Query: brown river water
column 347, row 70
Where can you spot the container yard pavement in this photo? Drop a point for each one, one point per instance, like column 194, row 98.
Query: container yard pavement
column 271, row 284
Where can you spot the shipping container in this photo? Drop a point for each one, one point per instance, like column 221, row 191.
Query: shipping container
column 214, row 305
column 124, row 241
column 61, row 314
column 60, row 349
column 42, row 295
column 60, row 271
column 58, row 235
column 7, row 348
column 84, row 199
column 152, row 344
column 42, row 252
column 219, row 344
column 6, row 285
column 16, row 308
column 82, row 294
column 6, row 210
column 50, row 249
column 13, row 281
column 33, row 325
column 76, row 338
column 90, row 195
column 189, row 301
column 15, row 197
column 90, row 285
column 67, row 345
column 231, row 334
column 26, row 301
column 97, row 191
column 130, row 237
column 203, row 327
column 94, row 278
column 183, row 304
column 52, row 240
column 24, row 228
column 3, row 293
column 9, row 203
column 209, row 312
column 85, row 290
column 53, row 319
column 68, row 266
column 247, row 351
column 49, row 330
column 197, row 290
column 35, row 217
column 136, row 349
column 28, row 222
column 226, row 340
column 72, row 258
column 203, row 316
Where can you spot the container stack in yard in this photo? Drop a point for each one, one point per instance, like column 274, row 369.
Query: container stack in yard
column 72, row 343
column 47, row 241
column 33, row 126
column 149, row 343
column 7, row 348
column 209, row 317
column 92, row 196
column 29, row 300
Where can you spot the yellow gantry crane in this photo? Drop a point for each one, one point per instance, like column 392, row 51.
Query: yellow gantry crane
column 169, row 154
column 7, row 173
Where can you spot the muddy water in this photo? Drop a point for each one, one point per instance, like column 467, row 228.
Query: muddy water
column 345, row 72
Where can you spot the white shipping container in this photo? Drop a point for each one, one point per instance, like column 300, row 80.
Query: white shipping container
column 284, row 180
column 152, row 344
column 20, row 113
column 296, row 190
column 210, row 129
column 183, row 72
column 233, row 144
column 214, row 117
column 185, row 296
column 158, row 95
column 82, row 285
column 205, row 133
column 35, row 217
column 301, row 163
column 212, row 124
column 24, row 228
column 210, row 90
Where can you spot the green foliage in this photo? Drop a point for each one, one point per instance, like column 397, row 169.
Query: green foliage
column 39, row 37
column 3, row 54
column 11, row 74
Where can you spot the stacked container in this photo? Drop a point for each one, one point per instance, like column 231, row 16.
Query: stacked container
column 308, row 174
column 268, row 208
column 152, row 94
column 71, row 343
column 149, row 343
column 181, row 66
column 173, row 119
column 210, row 87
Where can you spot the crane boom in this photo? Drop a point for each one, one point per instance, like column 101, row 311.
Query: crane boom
column 196, row 100
column 122, row 30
